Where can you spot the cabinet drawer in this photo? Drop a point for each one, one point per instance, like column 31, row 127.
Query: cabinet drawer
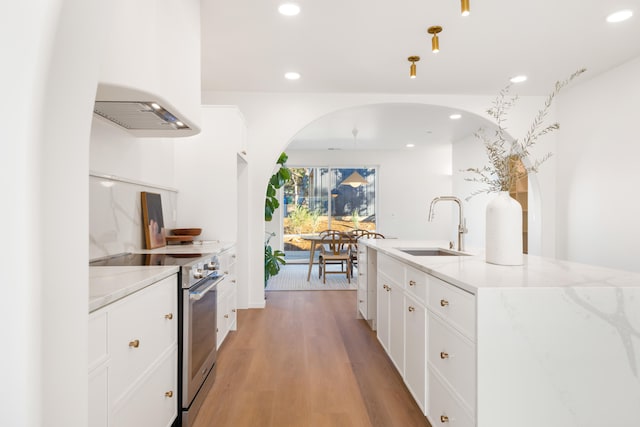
column 453, row 356
column 444, row 408
column 391, row 268
column 455, row 305
column 98, row 350
column 416, row 346
column 416, row 284
column 154, row 400
column 141, row 327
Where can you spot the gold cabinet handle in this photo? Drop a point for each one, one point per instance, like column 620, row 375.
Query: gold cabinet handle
column 226, row 272
column 134, row 343
column 169, row 394
column 233, row 281
column 412, row 283
column 226, row 316
column 444, row 302
column 168, row 316
column 444, row 355
column 444, row 419
column 411, row 309
column 233, row 310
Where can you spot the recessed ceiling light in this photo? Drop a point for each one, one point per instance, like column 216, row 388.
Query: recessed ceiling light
column 518, row 79
column 455, row 116
column 410, row 145
column 289, row 9
column 620, row 16
column 292, row 75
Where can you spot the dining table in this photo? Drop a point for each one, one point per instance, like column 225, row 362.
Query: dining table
column 314, row 239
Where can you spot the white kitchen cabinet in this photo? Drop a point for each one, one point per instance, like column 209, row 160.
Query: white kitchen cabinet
column 227, row 295
column 133, row 359
column 397, row 336
column 383, row 296
column 367, row 288
column 416, row 350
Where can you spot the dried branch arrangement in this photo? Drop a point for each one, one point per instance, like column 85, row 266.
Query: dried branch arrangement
column 503, row 152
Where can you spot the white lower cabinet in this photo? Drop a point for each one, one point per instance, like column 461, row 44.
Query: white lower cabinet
column 156, row 393
column 133, row 359
column 397, row 337
column 383, row 296
column 416, row 350
column 445, row 408
column 427, row 328
column 227, row 296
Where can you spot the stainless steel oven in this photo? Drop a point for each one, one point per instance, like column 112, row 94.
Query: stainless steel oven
column 199, row 313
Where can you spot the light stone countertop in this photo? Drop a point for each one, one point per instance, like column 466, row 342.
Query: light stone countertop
column 472, row 273
column 109, row 284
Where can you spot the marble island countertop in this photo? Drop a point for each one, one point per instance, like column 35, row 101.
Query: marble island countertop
column 472, row 272
column 109, row 284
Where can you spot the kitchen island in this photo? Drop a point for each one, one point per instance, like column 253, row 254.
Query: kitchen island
column 549, row 343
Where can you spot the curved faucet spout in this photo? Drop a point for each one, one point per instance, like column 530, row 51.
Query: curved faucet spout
column 461, row 224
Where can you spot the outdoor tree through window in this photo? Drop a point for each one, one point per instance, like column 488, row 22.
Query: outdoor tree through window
column 317, row 199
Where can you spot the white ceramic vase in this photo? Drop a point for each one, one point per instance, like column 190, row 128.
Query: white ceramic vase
column 504, row 230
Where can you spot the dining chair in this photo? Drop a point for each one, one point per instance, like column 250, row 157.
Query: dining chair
column 334, row 249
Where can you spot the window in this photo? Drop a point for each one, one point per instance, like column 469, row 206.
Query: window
column 321, row 198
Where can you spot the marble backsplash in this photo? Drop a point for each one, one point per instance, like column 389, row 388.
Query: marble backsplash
column 115, row 214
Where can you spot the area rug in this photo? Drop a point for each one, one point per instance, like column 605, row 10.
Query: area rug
column 293, row 277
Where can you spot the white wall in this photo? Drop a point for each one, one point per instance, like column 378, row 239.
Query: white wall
column 52, row 48
column 407, row 182
column 116, row 152
column 598, row 172
column 273, row 119
column 206, row 172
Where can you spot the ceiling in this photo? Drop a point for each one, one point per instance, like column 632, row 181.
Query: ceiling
column 361, row 46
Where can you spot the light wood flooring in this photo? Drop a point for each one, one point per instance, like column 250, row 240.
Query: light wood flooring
column 306, row 360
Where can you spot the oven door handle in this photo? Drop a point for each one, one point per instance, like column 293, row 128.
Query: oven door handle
column 196, row 296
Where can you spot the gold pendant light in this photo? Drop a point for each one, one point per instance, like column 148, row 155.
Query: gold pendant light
column 464, row 7
column 435, row 43
column 412, row 70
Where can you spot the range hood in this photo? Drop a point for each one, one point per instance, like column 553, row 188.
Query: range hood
column 141, row 113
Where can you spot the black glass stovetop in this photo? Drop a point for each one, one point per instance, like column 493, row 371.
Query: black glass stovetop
column 130, row 259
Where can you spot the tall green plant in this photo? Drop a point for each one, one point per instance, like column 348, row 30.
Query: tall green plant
column 274, row 258
column 277, row 181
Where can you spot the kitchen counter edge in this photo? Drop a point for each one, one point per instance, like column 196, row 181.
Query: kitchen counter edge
column 472, row 273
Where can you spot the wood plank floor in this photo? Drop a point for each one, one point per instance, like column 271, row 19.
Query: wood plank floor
column 306, row 360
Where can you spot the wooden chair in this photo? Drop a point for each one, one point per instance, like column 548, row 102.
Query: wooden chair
column 334, row 249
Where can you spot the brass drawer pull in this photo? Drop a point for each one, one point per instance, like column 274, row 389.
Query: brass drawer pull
column 233, row 310
column 444, row 355
column 412, row 283
column 444, row 302
column 134, row 343
column 444, row 419
column 169, row 394
column 168, row 316
column 411, row 309
column 226, row 316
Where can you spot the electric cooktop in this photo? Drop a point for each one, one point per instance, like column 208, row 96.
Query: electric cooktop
column 131, row 259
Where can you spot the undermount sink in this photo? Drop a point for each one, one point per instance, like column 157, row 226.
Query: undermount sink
column 430, row 252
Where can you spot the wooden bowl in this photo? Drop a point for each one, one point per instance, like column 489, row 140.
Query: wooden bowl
column 186, row 231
